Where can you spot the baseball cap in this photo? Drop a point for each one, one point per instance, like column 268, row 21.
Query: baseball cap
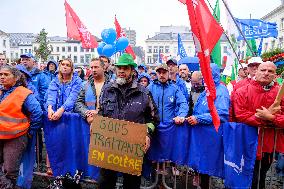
column 255, row 60
column 28, row 55
column 172, row 60
column 162, row 66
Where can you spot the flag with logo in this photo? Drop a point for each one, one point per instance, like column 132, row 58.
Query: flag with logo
column 121, row 33
column 206, row 32
column 181, row 50
column 77, row 30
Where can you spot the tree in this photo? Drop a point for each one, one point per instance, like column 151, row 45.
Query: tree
column 43, row 51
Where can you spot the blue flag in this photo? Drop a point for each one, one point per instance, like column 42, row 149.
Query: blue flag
column 240, row 146
column 181, row 50
column 260, row 47
column 254, row 29
column 25, row 177
column 67, row 143
column 229, row 154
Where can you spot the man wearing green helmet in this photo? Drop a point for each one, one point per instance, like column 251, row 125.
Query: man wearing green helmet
column 125, row 99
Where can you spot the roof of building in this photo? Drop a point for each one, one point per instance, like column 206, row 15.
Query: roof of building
column 276, row 10
column 3, row 33
column 173, row 36
column 18, row 39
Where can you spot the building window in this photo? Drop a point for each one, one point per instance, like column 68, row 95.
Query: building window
column 155, row 58
column 149, row 49
column 75, row 59
column 155, row 49
column 272, row 44
column 82, row 59
column 30, row 50
column 167, row 49
column 265, row 47
column 82, row 50
column 87, row 57
column 57, row 49
column 34, row 49
column 87, row 50
column 22, row 51
column 4, row 43
column 26, row 50
column 75, row 49
column 92, row 50
column 12, row 55
column 225, row 49
column 58, row 58
column 69, row 49
column 175, row 50
column 51, row 57
column 149, row 59
column 17, row 55
column 63, row 49
column 280, row 42
column 161, row 49
column 282, row 24
column 4, row 52
column 51, row 48
column 63, row 57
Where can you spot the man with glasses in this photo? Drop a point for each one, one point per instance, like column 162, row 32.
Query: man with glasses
column 3, row 60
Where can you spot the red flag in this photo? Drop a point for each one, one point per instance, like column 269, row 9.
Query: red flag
column 76, row 29
column 120, row 33
column 206, row 32
column 182, row 1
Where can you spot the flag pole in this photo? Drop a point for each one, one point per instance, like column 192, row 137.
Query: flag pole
column 227, row 37
column 241, row 32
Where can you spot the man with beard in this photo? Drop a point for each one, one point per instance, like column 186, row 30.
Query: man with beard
column 87, row 103
column 125, row 99
column 185, row 75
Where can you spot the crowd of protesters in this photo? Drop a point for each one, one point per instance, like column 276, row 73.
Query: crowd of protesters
column 166, row 94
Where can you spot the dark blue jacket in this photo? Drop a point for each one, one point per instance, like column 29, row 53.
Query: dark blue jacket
column 222, row 101
column 169, row 100
column 31, row 108
column 38, row 80
column 63, row 94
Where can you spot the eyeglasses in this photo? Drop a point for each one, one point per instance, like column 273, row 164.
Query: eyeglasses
column 2, row 59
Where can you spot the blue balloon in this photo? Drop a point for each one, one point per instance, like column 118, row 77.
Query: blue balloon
column 121, row 43
column 109, row 35
column 100, row 48
column 108, row 50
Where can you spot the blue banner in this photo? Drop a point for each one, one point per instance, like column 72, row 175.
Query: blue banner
column 181, row 50
column 254, row 29
column 67, row 143
column 240, row 146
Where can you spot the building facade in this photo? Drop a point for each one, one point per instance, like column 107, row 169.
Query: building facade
column 166, row 42
column 131, row 35
column 277, row 15
column 4, row 44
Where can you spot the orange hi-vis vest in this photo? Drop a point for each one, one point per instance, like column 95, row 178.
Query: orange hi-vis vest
column 13, row 123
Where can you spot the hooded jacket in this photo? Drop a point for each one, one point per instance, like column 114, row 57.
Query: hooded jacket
column 169, row 100
column 222, row 101
column 49, row 76
column 39, row 82
column 251, row 97
column 63, row 94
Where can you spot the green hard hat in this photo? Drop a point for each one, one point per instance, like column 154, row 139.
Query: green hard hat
column 126, row 60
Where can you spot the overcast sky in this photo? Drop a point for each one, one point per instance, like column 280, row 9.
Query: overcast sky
column 145, row 16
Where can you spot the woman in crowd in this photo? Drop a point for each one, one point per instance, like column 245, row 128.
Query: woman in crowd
column 20, row 117
column 62, row 93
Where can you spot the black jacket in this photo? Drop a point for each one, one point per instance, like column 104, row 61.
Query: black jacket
column 134, row 103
